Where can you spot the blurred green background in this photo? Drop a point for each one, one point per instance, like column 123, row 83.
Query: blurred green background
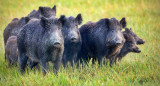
column 135, row 69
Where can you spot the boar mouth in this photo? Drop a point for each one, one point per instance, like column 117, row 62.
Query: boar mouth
column 136, row 50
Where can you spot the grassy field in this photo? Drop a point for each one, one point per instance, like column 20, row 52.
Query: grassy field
column 135, row 69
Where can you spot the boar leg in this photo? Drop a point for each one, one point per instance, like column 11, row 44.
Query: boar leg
column 33, row 64
column 115, row 60
column 94, row 60
column 5, row 56
column 57, row 63
column 100, row 60
column 9, row 61
column 43, row 64
column 64, row 62
column 22, row 62
column 72, row 62
column 73, row 59
column 112, row 60
column 120, row 58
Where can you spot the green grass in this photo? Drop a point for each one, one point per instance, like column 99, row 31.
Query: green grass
column 136, row 69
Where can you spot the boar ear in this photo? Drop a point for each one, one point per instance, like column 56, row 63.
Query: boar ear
column 79, row 19
column 130, row 28
column 107, row 22
column 24, row 20
column 54, row 8
column 62, row 19
column 125, row 36
column 41, row 10
column 15, row 19
column 123, row 22
column 127, row 30
column 27, row 19
column 44, row 22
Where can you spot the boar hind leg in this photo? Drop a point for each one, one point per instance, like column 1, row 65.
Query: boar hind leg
column 9, row 62
column 33, row 64
column 22, row 62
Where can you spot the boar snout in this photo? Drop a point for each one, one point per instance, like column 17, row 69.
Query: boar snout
column 137, row 50
column 118, row 43
column 57, row 44
column 140, row 42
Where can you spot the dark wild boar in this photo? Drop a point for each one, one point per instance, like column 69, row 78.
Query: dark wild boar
column 13, row 28
column 16, row 24
column 11, row 50
column 130, row 44
column 102, row 39
column 41, row 41
column 72, row 38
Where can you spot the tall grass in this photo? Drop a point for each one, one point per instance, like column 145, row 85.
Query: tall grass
column 135, row 69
